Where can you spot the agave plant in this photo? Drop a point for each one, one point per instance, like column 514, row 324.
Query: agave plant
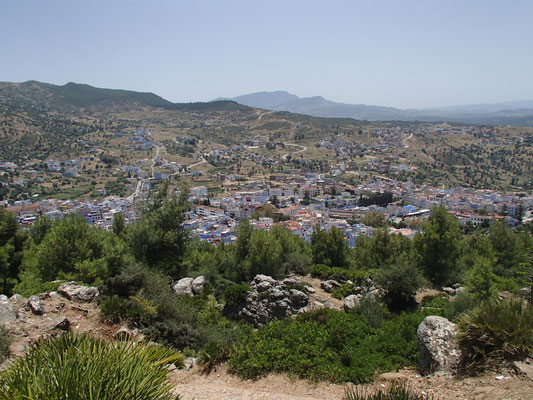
column 497, row 330
column 86, row 368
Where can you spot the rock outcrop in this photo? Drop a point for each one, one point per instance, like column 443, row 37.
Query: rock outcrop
column 351, row 302
column 78, row 293
column 437, row 345
column 189, row 286
column 268, row 300
column 7, row 312
column 198, row 284
column 329, row 285
column 35, row 305
column 183, row 287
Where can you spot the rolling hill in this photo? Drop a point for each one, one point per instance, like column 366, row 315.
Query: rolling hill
column 73, row 97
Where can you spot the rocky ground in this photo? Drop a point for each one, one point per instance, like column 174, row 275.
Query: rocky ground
column 222, row 385
column 74, row 308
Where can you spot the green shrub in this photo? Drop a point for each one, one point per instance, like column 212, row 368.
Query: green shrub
column 235, row 294
column 496, row 331
column 145, row 298
column 324, row 272
column 5, row 341
column 328, row 345
column 83, row 367
column 320, row 271
column 436, row 301
column 344, row 290
column 396, row 391
column 372, row 310
column 462, row 302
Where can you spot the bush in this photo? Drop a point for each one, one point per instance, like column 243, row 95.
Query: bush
column 496, row 331
column 324, row 272
column 400, row 281
column 145, row 298
column 372, row 310
column 328, row 345
column 235, row 294
column 83, row 367
column 5, row 341
column 396, row 391
column 343, row 291
column 462, row 303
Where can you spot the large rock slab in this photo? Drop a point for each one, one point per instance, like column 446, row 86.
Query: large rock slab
column 183, row 287
column 439, row 350
column 7, row 312
column 198, row 284
column 351, row 301
column 78, row 293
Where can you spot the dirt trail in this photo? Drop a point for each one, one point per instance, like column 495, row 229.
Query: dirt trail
column 221, row 385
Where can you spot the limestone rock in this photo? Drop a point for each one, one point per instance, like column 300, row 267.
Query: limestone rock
column 449, row 291
column 78, row 293
column 351, row 302
column 35, row 305
column 437, row 345
column 183, row 287
column 329, row 285
column 267, row 300
column 62, row 323
column 16, row 299
column 7, row 312
column 3, row 298
column 198, row 284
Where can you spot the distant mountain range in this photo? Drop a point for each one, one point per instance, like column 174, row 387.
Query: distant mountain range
column 509, row 113
column 76, row 97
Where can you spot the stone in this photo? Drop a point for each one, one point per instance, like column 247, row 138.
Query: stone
column 329, row 285
column 124, row 333
column 290, row 281
column 310, row 289
column 198, row 284
column 263, row 278
column 298, row 298
column 449, row 291
column 525, row 368
column 78, row 293
column 351, row 302
column 3, row 298
column 439, row 350
column 525, row 291
column 62, row 323
column 7, row 313
column 16, row 299
column 35, row 305
column 183, row 287
column 189, row 363
column 267, row 300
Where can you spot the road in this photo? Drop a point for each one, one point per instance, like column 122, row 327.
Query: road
column 406, row 139
column 303, row 148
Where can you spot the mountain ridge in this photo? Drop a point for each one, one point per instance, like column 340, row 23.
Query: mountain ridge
column 519, row 112
column 81, row 97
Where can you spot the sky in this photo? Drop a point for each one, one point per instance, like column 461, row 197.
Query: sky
column 399, row 53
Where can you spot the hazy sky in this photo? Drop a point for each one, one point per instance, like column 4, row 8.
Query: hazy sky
column 399, row 53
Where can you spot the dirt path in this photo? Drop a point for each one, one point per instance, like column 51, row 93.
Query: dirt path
column 221, row 385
